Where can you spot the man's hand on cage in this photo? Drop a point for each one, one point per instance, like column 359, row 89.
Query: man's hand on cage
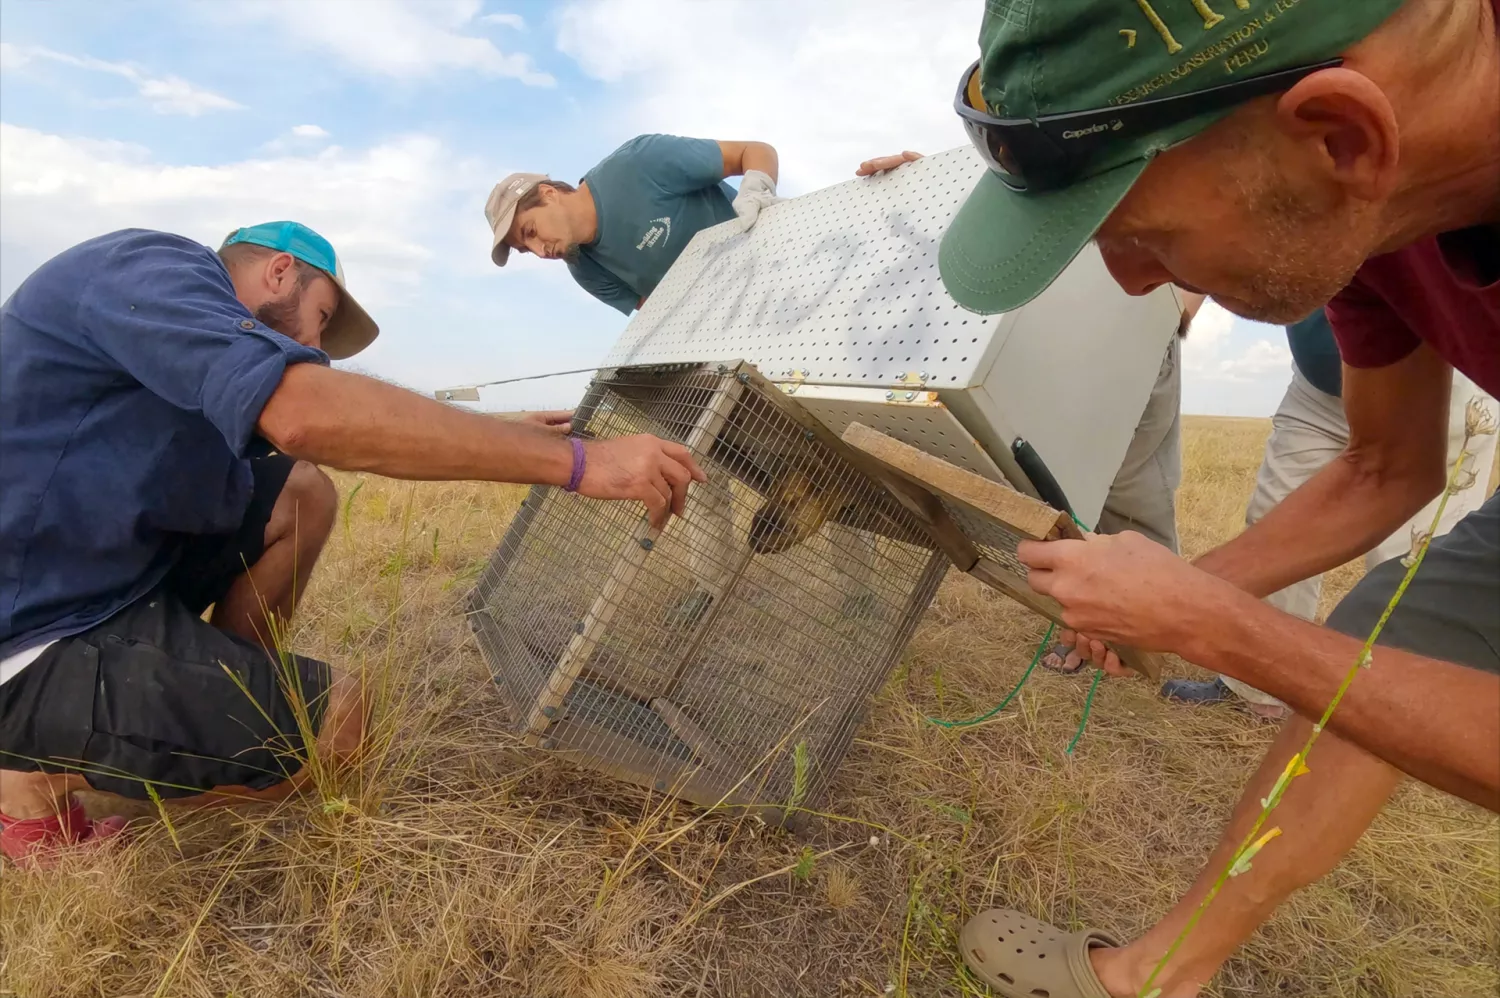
column 654, row 471
column 1120, row 588
column 558, row 421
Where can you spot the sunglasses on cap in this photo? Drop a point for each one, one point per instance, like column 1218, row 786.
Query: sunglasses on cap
column 1051, row 151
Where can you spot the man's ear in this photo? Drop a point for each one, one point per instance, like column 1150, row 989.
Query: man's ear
column 1348, row 127
column 281, row 273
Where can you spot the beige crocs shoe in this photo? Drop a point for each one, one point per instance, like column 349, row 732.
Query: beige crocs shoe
column 1019, row 957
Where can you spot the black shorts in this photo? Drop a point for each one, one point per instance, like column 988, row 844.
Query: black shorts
column 156, row 696
column 1451, row 610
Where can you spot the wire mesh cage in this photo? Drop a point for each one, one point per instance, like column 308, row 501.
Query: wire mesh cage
column 731, row 656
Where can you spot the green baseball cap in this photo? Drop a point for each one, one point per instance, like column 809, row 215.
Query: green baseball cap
column 1044, row 57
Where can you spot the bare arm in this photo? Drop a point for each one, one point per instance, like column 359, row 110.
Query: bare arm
column 357, row 423
column 742, row 157
column 1432, row 720
column 1398, row 418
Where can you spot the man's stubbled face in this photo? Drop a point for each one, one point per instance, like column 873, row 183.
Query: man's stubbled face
column 1224, row 217
column 283, row 315
column 303, row 313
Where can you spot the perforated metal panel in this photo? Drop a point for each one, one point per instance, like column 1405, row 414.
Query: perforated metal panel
column 841, row 283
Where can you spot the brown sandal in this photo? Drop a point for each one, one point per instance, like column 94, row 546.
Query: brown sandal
column 1019, row 957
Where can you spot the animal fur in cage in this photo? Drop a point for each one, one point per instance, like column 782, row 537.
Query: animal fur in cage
column 730, row 656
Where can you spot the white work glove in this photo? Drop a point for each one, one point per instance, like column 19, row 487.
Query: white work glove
column 757, row 191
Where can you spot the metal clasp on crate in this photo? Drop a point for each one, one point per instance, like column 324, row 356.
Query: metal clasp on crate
column 793, row 381
column 909, row 388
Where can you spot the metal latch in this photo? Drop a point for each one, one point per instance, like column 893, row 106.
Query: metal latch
column 909, row 388
column 794, row 380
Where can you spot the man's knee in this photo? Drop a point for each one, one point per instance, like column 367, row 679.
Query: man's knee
column 343, row 729
column 307, row 506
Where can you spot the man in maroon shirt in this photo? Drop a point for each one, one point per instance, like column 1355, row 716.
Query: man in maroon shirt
column 1275, row 155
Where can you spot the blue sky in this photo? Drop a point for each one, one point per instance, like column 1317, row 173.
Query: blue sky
column 384, row 123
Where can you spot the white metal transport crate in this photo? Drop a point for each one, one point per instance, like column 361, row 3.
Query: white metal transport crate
column 731, row 656
column 837, row 295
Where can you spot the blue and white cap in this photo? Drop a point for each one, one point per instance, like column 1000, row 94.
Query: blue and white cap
column 351, row 329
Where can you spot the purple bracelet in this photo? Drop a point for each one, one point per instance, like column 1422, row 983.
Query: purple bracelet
column 579, row 464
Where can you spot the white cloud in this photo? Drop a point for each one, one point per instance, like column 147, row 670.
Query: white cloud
column 1210, row 337
column 389, row 209
column 309, row 131
column 1259, row 359
column 165, row 94
column 1231, row 366
column 829, row 83
column 515, row 21
column 406, row 39
column 12, row 56
column 1206, row 338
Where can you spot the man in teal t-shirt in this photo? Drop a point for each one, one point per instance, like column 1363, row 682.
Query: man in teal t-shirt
column 630, row 216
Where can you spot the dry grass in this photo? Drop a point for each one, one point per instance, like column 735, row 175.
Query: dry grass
column 457, row 866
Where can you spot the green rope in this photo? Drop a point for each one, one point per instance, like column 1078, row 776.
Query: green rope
column 1008, row 697
column 1088, row 706
column 1088, row 701
column 1041, row 649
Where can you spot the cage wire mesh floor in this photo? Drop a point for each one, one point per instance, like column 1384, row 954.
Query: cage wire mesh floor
column 731, row 656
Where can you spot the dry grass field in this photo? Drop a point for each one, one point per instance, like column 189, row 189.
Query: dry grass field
column 455, row 866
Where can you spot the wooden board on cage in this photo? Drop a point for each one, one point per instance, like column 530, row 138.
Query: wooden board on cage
column 977, row 523
column 730, row 656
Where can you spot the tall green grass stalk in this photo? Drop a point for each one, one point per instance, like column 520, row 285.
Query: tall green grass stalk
column 1255, row 840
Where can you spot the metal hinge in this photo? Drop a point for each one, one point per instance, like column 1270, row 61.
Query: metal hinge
column 909, row 388
column 794, row 380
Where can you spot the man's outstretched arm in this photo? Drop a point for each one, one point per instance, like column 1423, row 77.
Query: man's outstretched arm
column 356, row 423
column 1394, row 464
column 1430, row 719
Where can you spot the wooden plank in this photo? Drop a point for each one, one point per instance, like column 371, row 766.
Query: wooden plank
column 708, row 751
column 993, row 574
column 928, row 509
column 621, row 577
column 1021, row 513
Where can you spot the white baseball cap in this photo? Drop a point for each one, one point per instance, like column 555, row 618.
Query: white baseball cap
column 500, row 209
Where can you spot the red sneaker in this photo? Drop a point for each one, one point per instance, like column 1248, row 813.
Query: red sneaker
column 36, row 841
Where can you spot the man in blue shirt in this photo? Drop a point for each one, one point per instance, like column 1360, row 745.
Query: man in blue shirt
column 163, row 410
column 630, row 216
